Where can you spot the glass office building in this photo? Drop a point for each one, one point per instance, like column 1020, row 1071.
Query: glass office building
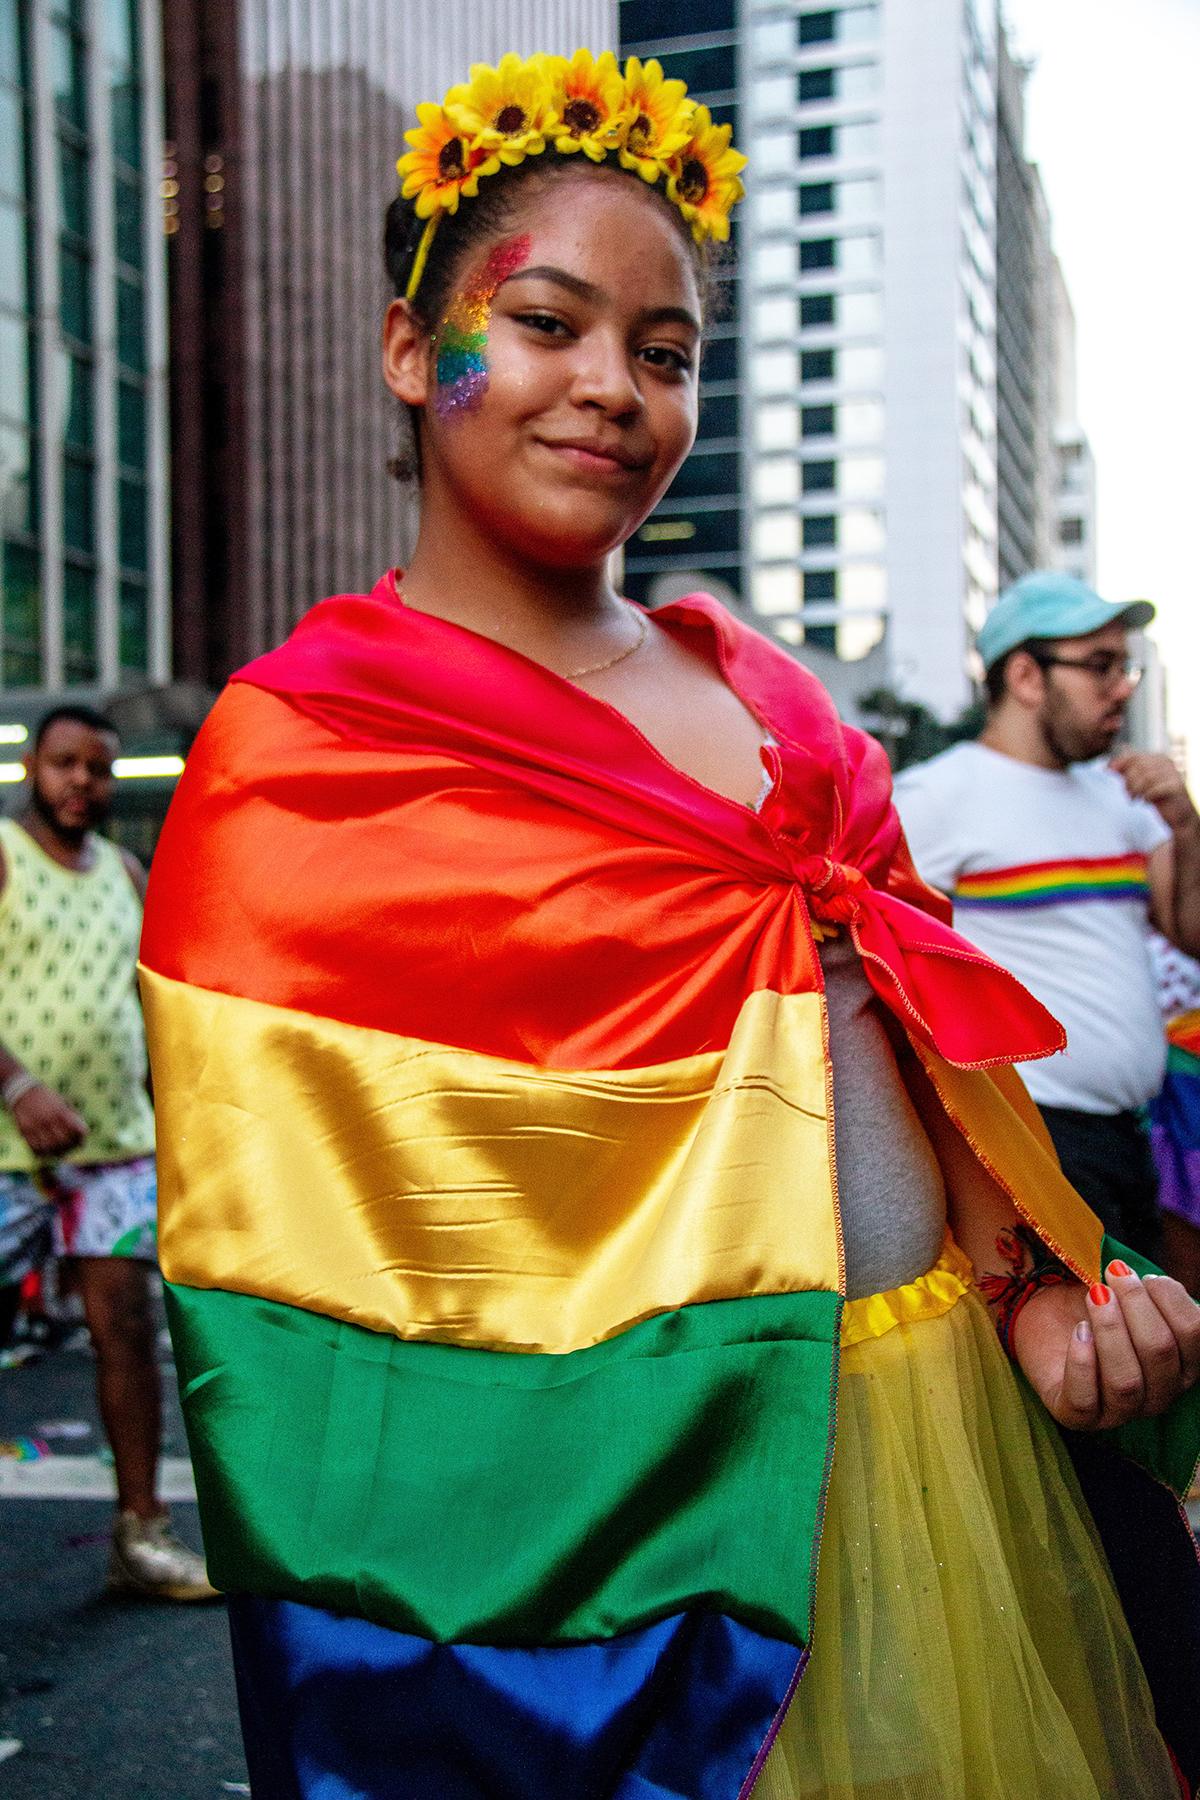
column 82, row 347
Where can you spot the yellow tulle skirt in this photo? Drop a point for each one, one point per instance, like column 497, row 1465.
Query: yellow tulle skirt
column 968, row 1644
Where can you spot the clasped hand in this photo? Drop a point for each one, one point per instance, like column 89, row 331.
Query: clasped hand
column 1121, row 1350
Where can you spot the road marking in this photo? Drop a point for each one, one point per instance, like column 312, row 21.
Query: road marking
column 14, row 1746
column 85, row 1478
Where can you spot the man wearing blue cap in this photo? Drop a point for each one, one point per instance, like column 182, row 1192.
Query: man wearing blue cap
column 1057, row 864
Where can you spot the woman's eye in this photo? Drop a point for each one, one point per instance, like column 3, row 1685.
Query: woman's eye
column 546, row 323
column 668, row 356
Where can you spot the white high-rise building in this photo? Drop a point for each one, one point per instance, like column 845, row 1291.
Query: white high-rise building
column 869, row 269
column 1074, row 548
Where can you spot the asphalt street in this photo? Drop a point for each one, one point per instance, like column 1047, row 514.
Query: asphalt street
column 100, row 1698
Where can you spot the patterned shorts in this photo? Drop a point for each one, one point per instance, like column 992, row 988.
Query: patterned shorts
column 106, row 1209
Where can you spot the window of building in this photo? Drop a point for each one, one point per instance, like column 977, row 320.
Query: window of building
column 69, row 74
column 817, row 140
column 1070, row 531
column 817, row 309
column 816, row 84
column 12, row 145
column 73, row 187
column 20, row 568
column 12, row 62
column 818, row 365
column 79, row 625
column 120, row 31
column 75, row 373
column 132, row 434
column 712, row 70
column 820, row 584
column 720, row 360
column 131, row 324
column 709, row 529
column 18, row 490
column 14, row 262
column 816, row 197
column 820, row 530
column 133, row 616
column 126, row 122
column 817, row 28
column 821, row 637
column 818, row 421
column 14, row 369
column 132, row 540
column 127, row 198
column 818, row 477
column 642, row 20
column 818, row 253
column 712, row 474
column 76, row 296
column 78, row 499
column 718, row 416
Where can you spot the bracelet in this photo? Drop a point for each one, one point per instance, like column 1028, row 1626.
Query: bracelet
column 1032, row 1267
column 17, row 1086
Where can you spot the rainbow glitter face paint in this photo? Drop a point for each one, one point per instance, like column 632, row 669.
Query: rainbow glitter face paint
column 462, row 370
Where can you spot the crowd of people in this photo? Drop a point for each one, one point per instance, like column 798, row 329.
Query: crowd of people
column 609, row 1152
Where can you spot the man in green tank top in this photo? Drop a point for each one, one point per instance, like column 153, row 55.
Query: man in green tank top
column 76, row 1125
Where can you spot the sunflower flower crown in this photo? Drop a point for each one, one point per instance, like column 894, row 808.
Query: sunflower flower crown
column 582, row 105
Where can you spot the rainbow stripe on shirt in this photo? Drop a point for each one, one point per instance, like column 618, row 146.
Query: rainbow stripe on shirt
column 1055, row 883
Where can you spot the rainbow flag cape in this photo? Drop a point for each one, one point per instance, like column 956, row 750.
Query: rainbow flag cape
column 1175, row 1120
column 498, row 1202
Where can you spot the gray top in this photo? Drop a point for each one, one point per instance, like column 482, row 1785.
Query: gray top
column 892, row 1193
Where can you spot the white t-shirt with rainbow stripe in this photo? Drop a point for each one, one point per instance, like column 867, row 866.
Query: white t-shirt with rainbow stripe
column 1047, row 872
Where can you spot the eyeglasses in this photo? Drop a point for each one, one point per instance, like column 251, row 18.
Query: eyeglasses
column 1105, row 667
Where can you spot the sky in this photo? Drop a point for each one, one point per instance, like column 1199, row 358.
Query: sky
column 1113, row 121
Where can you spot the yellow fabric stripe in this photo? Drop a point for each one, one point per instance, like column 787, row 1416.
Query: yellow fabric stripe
column 1006, row 1134
column 443, row 1195
column 928, row 1297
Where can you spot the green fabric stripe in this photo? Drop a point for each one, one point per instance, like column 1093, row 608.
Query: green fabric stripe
column 1165, row 1447
column 494, row 1498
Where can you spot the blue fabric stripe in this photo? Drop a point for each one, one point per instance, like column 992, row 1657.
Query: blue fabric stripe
column 340, row 1709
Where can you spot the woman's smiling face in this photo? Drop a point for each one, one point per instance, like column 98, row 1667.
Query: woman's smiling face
column 560, row 392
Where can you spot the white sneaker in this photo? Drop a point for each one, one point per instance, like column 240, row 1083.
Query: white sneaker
column 147, row 1558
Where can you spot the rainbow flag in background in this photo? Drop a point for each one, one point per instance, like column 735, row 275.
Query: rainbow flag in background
column 1054, row 883
column 1175, row 1121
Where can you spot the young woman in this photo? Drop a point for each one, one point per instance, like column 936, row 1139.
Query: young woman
column 570, row 1100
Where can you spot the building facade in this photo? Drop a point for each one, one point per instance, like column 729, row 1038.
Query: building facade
column 1026, row 323
column 284, row 122
column 83, row 421
column 893, row 311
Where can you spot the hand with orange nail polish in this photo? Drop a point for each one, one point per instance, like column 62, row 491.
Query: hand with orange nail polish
column 1118, row 1350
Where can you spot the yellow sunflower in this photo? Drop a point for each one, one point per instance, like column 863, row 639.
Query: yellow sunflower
column 443, row 165
column 659, row 118
column 590, row 104
column 702, row 177
column 507, row 109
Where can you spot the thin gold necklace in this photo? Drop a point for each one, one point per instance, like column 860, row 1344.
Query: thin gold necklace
column 643, row 632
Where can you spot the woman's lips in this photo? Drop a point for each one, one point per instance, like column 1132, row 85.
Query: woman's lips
column 595, row 459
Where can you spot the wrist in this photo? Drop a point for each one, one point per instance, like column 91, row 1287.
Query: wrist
column 19, row 1083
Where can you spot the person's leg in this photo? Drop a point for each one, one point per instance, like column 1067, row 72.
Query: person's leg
column 120, row 1317
column 10, row 1301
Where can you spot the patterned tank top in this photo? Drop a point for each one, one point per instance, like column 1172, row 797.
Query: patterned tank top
column 68, row 1001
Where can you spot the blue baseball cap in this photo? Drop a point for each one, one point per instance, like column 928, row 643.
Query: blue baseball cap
column 1046, row 604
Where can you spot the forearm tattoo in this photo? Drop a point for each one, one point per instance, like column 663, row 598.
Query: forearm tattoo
column 1031, row 1267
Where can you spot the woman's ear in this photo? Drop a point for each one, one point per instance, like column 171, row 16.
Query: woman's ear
column 405, row 354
